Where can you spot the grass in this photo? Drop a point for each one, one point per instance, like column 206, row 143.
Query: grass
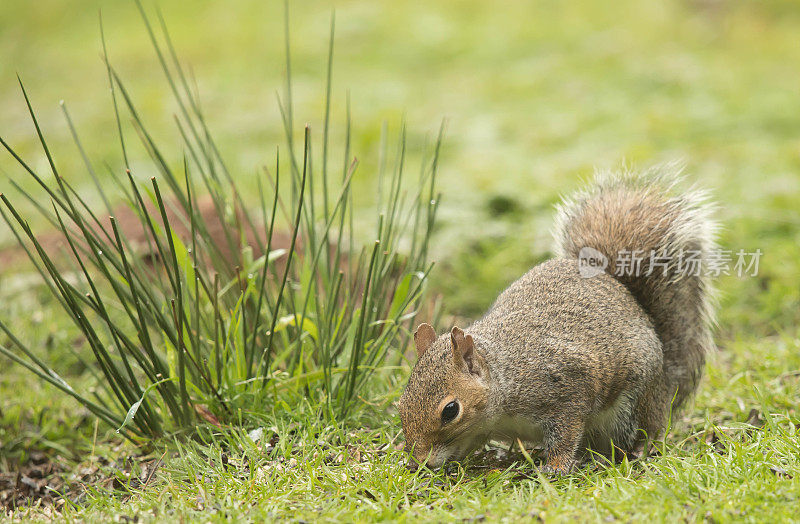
column 222, row 315
column 536, row 95
column 312, row 472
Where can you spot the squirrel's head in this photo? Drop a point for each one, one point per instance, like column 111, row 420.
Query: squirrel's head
column 442, row 407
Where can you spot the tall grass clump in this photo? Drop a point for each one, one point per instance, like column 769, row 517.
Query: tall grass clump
column 274, row 305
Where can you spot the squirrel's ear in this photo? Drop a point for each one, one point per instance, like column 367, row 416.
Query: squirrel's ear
column 424, row 336
column 464, row 351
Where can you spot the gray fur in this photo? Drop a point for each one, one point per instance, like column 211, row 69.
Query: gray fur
column 572, row 361
column 663, row 219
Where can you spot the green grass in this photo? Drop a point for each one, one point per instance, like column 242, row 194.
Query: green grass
column 536, row 96
column 322, row 473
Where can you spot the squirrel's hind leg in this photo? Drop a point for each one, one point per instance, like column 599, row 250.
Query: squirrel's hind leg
column 651, row 415
column 622, row 430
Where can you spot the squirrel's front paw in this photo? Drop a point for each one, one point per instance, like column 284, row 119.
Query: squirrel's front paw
column 551, row 471
column 558, row 467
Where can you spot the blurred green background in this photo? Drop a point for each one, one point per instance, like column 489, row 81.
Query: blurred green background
column 536, row 95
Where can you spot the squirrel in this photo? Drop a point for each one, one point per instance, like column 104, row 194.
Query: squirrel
column 587, row 351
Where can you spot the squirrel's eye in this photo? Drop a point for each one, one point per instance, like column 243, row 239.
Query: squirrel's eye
column 449, row 412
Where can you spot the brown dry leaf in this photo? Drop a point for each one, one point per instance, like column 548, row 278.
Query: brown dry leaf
column 207, row 415
column 364, row 492
column 780, row 472
column 713, row 440
column 754, row 418
column 355, row 455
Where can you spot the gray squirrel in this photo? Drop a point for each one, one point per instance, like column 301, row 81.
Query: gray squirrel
column 588, row 350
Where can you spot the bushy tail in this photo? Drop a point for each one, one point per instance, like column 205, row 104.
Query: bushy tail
column 657, row 242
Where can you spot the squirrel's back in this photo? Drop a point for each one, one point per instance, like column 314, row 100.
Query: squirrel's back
column 551, row 326
column 656, row 242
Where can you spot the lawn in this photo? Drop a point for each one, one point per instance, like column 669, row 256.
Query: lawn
column 535, row 97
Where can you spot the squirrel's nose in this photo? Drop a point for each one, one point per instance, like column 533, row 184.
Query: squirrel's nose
column 412, row 465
